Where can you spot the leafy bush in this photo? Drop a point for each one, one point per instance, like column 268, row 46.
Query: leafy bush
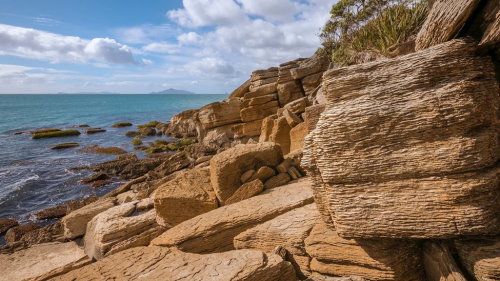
column 65, row 133
column 373, row 26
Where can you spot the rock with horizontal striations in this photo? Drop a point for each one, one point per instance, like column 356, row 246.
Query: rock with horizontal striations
column 227, row 167
column 382, row 259
column 241, row 90
column 77, row 204
column 249, row 129
column 258, row 112
column 159, row 263
column 490, row 24
column 220, row 113
column 427, row 134
column 289, row 91
column 75, row 223
column 108, row 231
column 287, row 230
column 6, row 224
column 263, row 173
column 297, row 106
column 311, row 116
column 246, row 191
column 214, row 231
column 316, row 63
column 284, row 70
column 41, row 262
column 291, row 118
column 247, row 175
column 444, row 21
column 188, row 194
column 281, row 134
column 278, row 180
column 297, row 136
column 481, row 257
column 51, row 213
column 311, row 82
column 260, row 91
column 220, row 135
column 263, row 74
column 439, row 263
column 183, row 124
column 267, row 128
column 259, row 100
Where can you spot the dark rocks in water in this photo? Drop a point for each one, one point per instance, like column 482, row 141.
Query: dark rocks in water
column 64, row 145
column 132, row 134
column 14, row 234
column 151, row 124
column 81, row 126
column 6, row 224
column 51, row 213
column 121, row 125
column 127, row 166
column 147, row 131
column 47, row 130
column 136, row 142
column 95, row 177
column 46, row 234
column 94, row 131
column 175, row 162
column 54, row 134
column 94, row 148
column 77, row 204
column 100, row 183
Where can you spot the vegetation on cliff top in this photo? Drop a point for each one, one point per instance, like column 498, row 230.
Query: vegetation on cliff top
column 370, row 26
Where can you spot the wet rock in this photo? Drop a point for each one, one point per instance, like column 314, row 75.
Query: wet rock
column 227, row 167
column 51, row 213
column 6, row 224
column 127, row 166
column 64, row 145
column 100, row 183
column 55, row 134
column 147, row 131
column 121, row 125
column 246, row 191
column 46, row 130
column 91, row 131
column 95, row 177
column 81, row 126
column 15, row 233
column 132, row 134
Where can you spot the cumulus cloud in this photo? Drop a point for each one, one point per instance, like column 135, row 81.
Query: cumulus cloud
column 190, row 38
column 161, row 47
column 37, row 44
column 211, row 67
column 274, row 10
column 144, row 34
column 198, row 13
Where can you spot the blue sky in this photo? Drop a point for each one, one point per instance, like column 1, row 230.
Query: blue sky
column 205, row 46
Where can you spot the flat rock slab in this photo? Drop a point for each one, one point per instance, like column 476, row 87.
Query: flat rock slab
column 39, row 260
column 159, row 263
column 214, row 231
column 75, row 223
column 420, row 129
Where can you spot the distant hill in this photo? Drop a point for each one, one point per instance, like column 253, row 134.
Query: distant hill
column 171, row 91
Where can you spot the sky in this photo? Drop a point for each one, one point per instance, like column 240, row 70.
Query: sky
column 126, row 46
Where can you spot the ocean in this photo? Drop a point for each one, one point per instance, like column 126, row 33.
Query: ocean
column 34, row 177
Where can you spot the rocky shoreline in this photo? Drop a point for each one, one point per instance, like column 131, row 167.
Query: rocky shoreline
column 385, row 170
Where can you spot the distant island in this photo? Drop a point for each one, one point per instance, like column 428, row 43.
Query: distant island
column 170, row 92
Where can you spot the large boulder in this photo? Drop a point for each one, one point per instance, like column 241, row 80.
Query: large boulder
column 75, row 223
column 159, row 263
column 260, row 111
column 297, row 136
column 263, row 90
column 427, row 134
column 280, row 134
column 220, row 113
column 188, row 194
column 117, row 229
column 42, row 261
column 241, row 90
column 227, row 167
column 481, row 257
column 214, row 231
column 316, row 63
column 289, row 91
column 374, row 259
column 183, row 124
column 217, row 137
column 440, row 264
column 287, row 230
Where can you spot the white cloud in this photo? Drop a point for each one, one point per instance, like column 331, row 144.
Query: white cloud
column 36, row 44
column 274, row 10
column 190, row 38
column 161, row 47
column 211, row 67
column 144, row 34
column 198, row 13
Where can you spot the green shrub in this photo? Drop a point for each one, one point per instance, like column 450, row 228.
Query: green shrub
column 136, row 142
column 65, row 133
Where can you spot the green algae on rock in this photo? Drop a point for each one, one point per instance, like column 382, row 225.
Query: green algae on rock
column 121, row 125
column 64, row 145
column 55, row 134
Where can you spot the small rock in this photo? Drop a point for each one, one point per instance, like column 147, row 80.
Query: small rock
column 51, row 213
column 283, row 166
column 100, row 183
column 291, row 118
column 95, row 177
column 278, row 180
column 246, row 191
column 132, row 134
column 77, row 204
column 15, row 233
column 147, row 131
column 247, row 175
column 94, row 131
column 145, row 204
column 6, row 224
column 294, row 173
column 81, row 126
column 121, row 124
column 64, row 145
column 263, row 173
column 47, row 130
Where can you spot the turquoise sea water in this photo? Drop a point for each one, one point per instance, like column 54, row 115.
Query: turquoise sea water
column 33, row 177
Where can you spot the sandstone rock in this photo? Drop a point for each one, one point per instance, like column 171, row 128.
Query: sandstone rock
column 158, row 263
column 183, row 124
column 241, row 90
column 214, row 231
column 264, row 74
column 39, row 260
column 311, row 82
column 374, row 259
column 220, row 113
column 77, row 204
column 490, row 24
column 260, row 111
column 227, row 167
column 281, row 134
column 481, row 257
column 267, row 128
column 261, row 91
column 126, row 197
column 314, row 64
column 292, row 119
column 297, row 106
column 287, row 230
column 259, row 100
column 75, row 223
column 294, row 173
column 284, row 70
column 289, row 91
column 176, row 162
column 247, row 175
column 445, row 19
column 249, row 129
column 15, row 233
column 402, row 49
column 51, row 213
column 311, row 116
column 285, row 165
column 440, row 264
column 278, row 180
column 49, row 233
column 145, row 204
column 127, row 166
column 219, row 136
column 432, row 145
column 185, row 196
column 246, row 191
column 263, row 173
column 114, row 226
column 6, row 224
column 261, row 82
column 297, row 135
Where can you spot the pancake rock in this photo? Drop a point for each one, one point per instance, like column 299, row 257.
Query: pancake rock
column 220, row 113
column 481, row 257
